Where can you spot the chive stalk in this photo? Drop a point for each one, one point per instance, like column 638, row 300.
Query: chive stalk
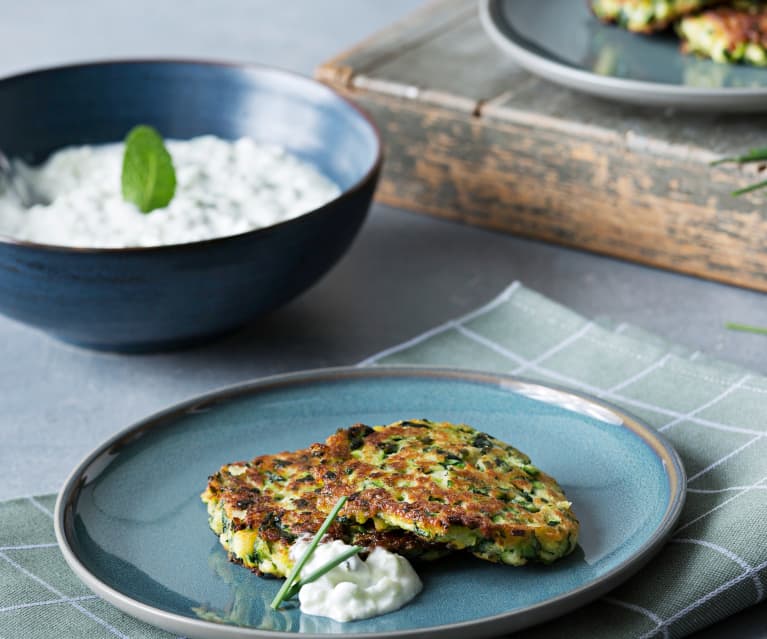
column 754, row 155
column 290, row 579
column 323, row 569
column 749, row 188
column 734, row 326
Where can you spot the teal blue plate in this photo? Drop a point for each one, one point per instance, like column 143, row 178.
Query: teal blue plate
column 562, row 41
column 130, row 522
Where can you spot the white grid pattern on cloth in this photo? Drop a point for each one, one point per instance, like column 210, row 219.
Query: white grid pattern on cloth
column 27, row 547
column 721, row 460
column 730, row 555
column 713, row 491
column 571, row 339
column 704, row 599
column 536, row 365
column 659, row 363
column 69, row 600
column 757, row 484
column 47, row 602
column 39, row 506
column 727, row 391
column 503, row 297
column 640, row 609
column 61, row 598
column 458, row 325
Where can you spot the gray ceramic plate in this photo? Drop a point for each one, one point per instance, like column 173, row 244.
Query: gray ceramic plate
column 130, row 522
column 562, row 41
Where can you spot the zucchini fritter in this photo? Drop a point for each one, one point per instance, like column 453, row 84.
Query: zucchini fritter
column 728, row 34
column 646, row 16
column 451, row 484
column 259, row 508
column 415, row 487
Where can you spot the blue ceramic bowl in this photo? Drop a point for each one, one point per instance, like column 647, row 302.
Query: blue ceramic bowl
column 143, row 299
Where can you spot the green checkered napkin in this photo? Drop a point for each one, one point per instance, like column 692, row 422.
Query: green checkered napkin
column 714, row 413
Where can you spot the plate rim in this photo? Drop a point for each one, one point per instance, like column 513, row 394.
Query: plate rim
column 625, row 90
column 485, row 626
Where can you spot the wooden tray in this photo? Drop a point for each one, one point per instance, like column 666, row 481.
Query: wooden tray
column 472, row 137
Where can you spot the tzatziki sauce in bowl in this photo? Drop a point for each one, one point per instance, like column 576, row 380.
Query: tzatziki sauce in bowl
column 274, row 176
column 223, row 188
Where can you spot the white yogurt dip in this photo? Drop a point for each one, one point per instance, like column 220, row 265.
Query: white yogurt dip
column 223, row 188
column 355, row 589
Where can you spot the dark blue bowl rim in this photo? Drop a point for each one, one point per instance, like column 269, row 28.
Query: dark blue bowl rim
column 369, row 175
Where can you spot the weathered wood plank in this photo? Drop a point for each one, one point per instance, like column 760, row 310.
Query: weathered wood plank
column 420, row 26
column 455, row 62
column 449, row 58
column 472, row 137
column 580, row 192
column 656, row 131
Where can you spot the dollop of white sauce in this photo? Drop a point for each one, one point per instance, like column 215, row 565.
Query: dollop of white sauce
column 355, row 589
column 222, row 188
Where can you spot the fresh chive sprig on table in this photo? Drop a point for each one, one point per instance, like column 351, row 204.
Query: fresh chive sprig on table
column 747, row 328
column 754, row 155
column 751, row 187
column 288, row 590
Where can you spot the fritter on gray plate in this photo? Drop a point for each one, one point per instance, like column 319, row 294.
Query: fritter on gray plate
column 736, row 32
column 646, row 16
column 416, row 487
column 259, row 508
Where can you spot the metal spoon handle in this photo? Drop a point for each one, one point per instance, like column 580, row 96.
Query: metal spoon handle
column 17, row 182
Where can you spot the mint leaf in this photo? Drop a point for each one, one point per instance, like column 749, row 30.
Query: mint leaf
column 148, row 176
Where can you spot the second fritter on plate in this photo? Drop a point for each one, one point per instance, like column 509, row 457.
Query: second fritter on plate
column 646, row 16
column 415, row 487
column 736, row 32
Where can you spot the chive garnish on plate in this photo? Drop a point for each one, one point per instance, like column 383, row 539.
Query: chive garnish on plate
column 323, row 569
column 290, row 579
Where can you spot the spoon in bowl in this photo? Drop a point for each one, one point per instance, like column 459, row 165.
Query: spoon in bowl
column 13, row 179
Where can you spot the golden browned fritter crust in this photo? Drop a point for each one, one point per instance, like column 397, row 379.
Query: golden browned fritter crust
column 259, row 508
column 646, row 16
column 728, row 34
column 451, row 484
column 415, row 487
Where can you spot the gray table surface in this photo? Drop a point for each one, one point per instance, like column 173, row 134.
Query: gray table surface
column 57, row 402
